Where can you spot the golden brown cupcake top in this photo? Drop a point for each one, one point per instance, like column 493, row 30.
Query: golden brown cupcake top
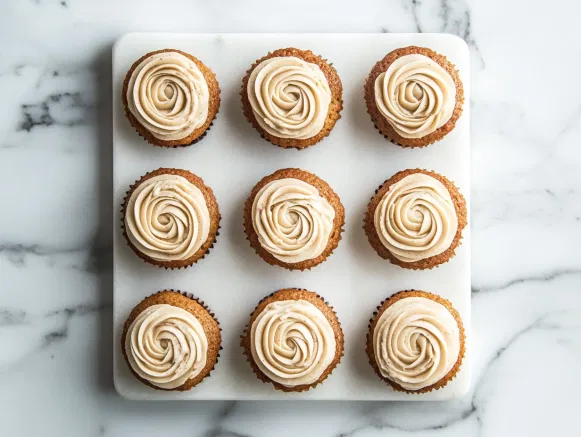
column 416, row 218
column 168, row 95
column 415, row 95
column 289, row 97
column 416, row 342
column 166, row 346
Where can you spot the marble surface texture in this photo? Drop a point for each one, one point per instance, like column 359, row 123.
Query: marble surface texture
column 55, row 227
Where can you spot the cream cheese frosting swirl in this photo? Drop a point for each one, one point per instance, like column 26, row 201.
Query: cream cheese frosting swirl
column 416, row 342
column 166, row 345
column 292, row 220
column 167, row 218
column 292, row 342
column 415, row 95
column 416, row 218
column 168, row 95
column 289, row 97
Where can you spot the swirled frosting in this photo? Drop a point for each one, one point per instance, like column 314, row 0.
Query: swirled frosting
column 166, row 345
column 167, row 218
column 292, row 220
column 416, row 342
column 416, row 218
column 290, row 98
column 168, row 95
column 415, row 95
column 292, row 342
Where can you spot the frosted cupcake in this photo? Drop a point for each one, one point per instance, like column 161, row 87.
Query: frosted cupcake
column 170, row 218
column 415, row 220
column 292, row 97
column 171, row 98
column 414, row 96
column 416, row 341
column 293, row 219
column 293, row 340
column 171, row 341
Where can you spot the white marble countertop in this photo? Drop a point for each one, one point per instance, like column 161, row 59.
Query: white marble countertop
column 55, row 227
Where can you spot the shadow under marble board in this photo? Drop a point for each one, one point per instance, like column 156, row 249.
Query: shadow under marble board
column 355, row 159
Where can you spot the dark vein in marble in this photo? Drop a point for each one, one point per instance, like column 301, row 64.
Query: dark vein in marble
column 12, row 317
column 474, row 409
column 98, row 254
column 414, row 8
column 65, row 109
column 218, row 430
column 62, row 333
column 556, row 274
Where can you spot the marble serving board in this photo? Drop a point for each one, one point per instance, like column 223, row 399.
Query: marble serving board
column 355, row 159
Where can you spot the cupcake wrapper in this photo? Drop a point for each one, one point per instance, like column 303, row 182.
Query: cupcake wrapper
column 195, row 141
column 250, row 117
column 211, row 313
column 144, row 257
column 262, row 377
column 289, row 266
column 411, row 266
column 439, row 384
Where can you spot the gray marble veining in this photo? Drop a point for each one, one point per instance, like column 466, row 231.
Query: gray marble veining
column 55, row 231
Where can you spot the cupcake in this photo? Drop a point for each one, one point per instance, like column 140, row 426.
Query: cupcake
column 292, row 97
column 170, row 98
column 415, row 220
column 170, row 218
column 171, row 341
column 293, row 340
column 416, row 341
column 293, row 219
column 414, row 96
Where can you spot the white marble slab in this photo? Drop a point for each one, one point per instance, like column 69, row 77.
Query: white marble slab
column 355, row 159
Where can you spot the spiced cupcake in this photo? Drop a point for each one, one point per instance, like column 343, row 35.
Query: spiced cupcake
column 293, row 219
column 170, row 218
column 293, row 340
column 171, row 98
column 414, row 96
column 292, row 97
column 416, row 341
column 415, row 220
column 171, row 341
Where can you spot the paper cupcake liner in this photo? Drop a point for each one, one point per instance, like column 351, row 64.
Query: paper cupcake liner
column 370, row 230
column 289, row 267
column 142, row 256
column 449, row 376
column 265, row 379
column 252, row 120
column 209, row 311
column 269, row 258
column 147, row 140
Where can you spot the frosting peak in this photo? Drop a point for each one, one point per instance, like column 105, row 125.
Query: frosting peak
column 415, row 95
column 416, row 218
column 292, row 220
column 289, row 97
column 166, row 218
column 166, row 346
column 292, row 342
column 416, row 342
column 168, row 95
